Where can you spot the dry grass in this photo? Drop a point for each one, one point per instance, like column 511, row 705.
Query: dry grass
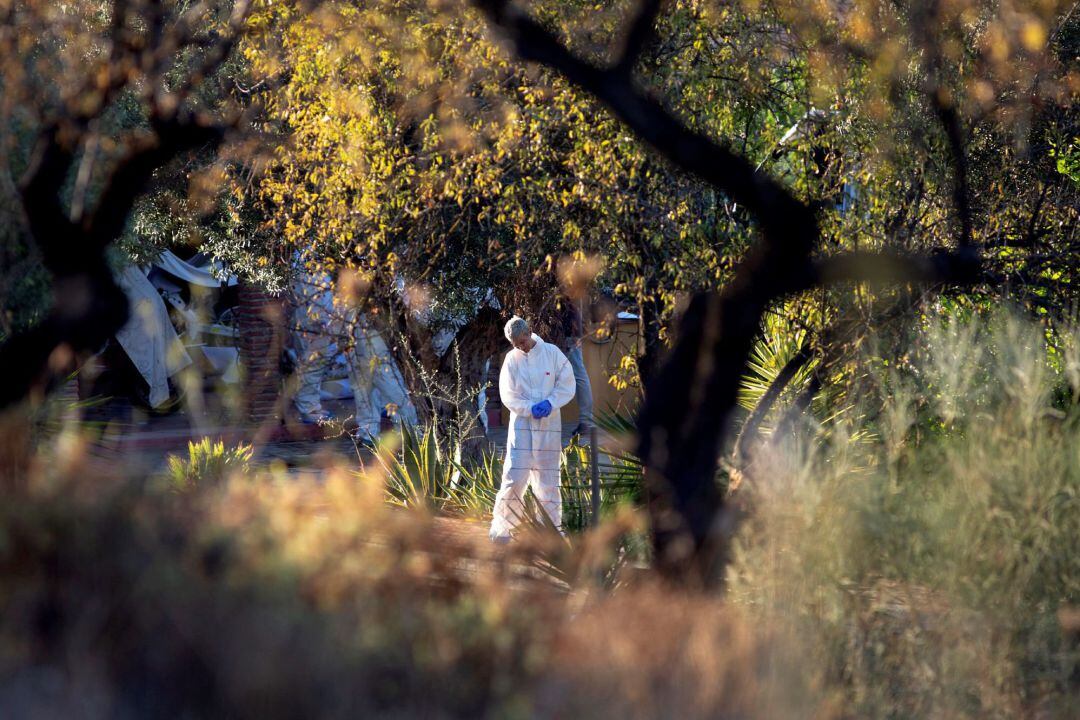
column 926, row 545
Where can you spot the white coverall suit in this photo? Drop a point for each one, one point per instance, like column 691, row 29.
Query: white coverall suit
column 321, row 326
column 533, row 445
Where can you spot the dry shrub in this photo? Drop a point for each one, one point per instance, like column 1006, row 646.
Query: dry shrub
column 138, row 604
column 650, row 652
column 911, row 653
column 275, row 597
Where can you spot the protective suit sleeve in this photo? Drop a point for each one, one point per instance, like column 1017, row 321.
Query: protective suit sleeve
column 565, row 388
column 508, row 393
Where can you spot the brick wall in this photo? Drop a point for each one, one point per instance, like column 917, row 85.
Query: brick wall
column 260, row 321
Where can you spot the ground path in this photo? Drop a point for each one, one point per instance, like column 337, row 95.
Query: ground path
column 145, row 441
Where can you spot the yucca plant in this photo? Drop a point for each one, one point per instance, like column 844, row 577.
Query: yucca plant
column 617, row 423
column 620, row 479
column 594, row 559
column 780, row 340
column 417, row 473
column 207, row 462
column 473, row 492
column 420, row 473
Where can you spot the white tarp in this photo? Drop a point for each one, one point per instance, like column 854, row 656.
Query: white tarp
column 149, row 338
column 813, row 116
column 222, row 362
column 194, row 274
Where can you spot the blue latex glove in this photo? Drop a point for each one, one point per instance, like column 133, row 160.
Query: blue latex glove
column 541, row 409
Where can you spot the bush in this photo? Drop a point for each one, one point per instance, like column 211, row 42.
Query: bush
column 931, row 559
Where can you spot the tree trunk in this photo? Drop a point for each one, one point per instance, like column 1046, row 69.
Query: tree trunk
column 651, row 344
column 445, row 387
column 458, row 417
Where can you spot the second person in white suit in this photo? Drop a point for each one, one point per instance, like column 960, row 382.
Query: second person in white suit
column 536, row 380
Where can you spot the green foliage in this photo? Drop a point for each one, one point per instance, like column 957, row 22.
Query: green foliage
column 208, row 463
column 618, row 424
column 620, row 479
column 411, row 147
column 1067, row 160
column 203, row 210
column 417, row 475
column 25, row 293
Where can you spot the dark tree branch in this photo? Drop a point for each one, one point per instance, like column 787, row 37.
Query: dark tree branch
column 88, row 307
column 947, row 114
column 962, row 267
column 46, row 219
column 640, row 35
column 116, row 30
column 92, row 308
column 693, row 152
column 749, row 432
column 83, row 287
column 649, row 329
column 689, row 401
column 926, row 30
column 172, row 138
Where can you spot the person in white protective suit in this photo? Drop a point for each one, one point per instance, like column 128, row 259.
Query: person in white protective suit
column 321, row 327
column 536, row 380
